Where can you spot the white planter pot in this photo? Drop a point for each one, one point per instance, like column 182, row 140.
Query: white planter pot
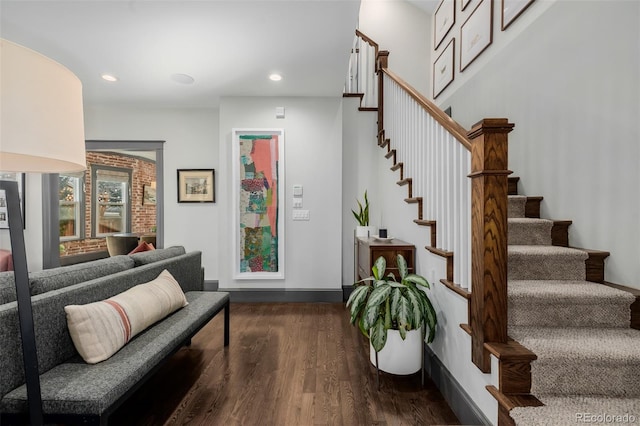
column 365, row 231
column 399, row 356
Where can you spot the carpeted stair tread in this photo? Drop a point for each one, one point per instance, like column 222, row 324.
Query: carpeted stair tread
column 570, row 303
column 580, row 343
column 567, row 291
column 534, row 250
column 533, row 262
column 575, row 409
column 528, row 231
column 516, row 205
column 582, row 361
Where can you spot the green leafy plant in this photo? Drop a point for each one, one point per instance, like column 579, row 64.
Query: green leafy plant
column 363, row 211
column 380, row 303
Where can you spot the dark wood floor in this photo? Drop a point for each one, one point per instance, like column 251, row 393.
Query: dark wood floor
column 287, row 364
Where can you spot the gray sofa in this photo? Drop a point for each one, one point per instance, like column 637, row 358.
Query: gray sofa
column 72, row 390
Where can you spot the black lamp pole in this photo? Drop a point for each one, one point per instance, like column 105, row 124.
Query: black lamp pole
column 23, row 297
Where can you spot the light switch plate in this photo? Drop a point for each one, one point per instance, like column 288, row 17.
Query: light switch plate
column 301, row 215
column 297, row 190
column 297, row 203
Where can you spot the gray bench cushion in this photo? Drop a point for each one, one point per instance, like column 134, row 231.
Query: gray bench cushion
column 79, row 388
column 145, row 257
column 7, row 287
column 53, row 279
column 56, row 278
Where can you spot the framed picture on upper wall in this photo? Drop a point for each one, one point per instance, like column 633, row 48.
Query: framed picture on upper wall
column 196, row 186
column 443, row 69
column 443, row 20
column 476, row 33
column 4, row 211
column 511, row 9
column 258, row 203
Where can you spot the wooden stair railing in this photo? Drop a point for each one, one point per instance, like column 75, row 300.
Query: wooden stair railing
column 382, row 62
column 487, row 142
column 358, row 80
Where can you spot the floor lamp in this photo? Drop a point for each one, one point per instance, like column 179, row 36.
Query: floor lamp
column 41, row 131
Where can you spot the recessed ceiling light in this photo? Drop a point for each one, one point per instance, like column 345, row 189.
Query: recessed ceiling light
column 275, row 77
column 182, row 78
column 109, row 77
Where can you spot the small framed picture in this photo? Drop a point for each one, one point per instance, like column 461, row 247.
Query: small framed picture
column 149, row 195
column 443, row 20
column 511, row 9
column 196, row 186
column 476, row 33
column 4, row 211
column 443, row 69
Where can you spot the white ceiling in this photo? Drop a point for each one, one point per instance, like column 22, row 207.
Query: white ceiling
column 228, row 46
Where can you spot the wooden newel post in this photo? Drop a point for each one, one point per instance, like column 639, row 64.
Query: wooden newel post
column 382, row 61
column 489, row 173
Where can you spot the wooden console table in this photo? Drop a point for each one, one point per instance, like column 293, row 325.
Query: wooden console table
column 369, row 249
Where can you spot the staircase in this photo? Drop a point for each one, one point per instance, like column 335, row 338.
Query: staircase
column 566, row 341
column 588, row 357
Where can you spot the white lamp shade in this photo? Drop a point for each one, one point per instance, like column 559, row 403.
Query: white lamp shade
column 41, row 118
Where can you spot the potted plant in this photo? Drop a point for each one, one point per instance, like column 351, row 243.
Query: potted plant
column 394, row 316
column 362, row 217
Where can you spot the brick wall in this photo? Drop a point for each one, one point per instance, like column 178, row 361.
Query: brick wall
column 143, row 216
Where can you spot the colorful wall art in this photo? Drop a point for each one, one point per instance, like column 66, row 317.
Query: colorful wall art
column 258, row 175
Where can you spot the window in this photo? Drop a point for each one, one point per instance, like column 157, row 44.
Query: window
column 110, row 200
column 71, row 197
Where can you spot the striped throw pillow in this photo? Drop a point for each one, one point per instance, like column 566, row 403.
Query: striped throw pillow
column 101, row 329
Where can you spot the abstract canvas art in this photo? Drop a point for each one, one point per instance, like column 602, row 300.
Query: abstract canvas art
column 258, row 172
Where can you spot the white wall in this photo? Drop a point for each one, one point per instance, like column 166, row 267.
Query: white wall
column 313, row 150
column 570, row 84
column 313, row 158
column 360, row 151
column 191, row 138
column 404, row 30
